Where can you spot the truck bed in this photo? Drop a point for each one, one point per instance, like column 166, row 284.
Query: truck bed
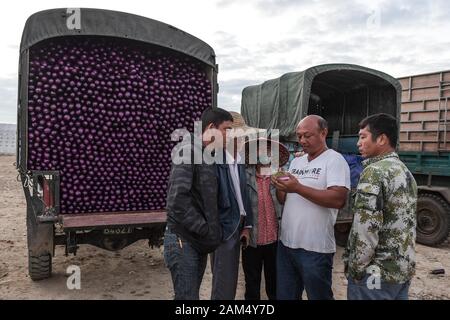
column 112, row 219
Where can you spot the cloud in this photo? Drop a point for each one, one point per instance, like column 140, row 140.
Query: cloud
column 284, row 45
column 226, row 3
column 414, row 13
column 230, row 92
column 257, row 40
column 384, row 35
column 266, row 7
column 8, row 100
column 277, row 7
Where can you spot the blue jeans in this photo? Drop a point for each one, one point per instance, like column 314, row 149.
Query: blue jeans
column 186, row 266
column 388, row 291
column 299, row 269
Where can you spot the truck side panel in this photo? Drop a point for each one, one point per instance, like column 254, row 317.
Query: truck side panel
column 425, row 116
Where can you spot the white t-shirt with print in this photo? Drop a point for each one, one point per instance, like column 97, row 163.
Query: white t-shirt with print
column 305, row 224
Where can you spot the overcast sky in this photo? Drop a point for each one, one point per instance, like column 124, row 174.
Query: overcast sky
column 263, row 39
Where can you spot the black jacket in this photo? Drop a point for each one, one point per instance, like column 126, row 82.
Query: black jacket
column 192, row 211
column 228, row 206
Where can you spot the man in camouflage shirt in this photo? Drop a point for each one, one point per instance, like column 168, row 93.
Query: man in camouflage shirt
column 380, row 255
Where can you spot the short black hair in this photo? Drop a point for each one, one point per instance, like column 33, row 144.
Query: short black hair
column 215, row 116
column 382, row 123
column 323, row 124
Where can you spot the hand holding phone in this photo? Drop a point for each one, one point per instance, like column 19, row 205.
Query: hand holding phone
column 245, row 234
column 280, row 175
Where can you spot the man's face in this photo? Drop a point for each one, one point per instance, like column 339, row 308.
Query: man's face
column 217, row 136
column 310, row 136
column 223, row 127
column 367, row 147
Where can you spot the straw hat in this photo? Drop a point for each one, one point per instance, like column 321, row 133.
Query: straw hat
column 283, row 152
column 245, row 130
column 241, row 127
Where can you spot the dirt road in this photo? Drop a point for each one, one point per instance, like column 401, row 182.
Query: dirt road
column 138, row 272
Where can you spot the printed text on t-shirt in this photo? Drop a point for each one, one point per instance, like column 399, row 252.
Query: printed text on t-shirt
column 313, row 173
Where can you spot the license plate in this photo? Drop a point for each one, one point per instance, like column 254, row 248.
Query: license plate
column 115, row 231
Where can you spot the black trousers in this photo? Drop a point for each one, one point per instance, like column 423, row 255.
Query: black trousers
column 253, row 261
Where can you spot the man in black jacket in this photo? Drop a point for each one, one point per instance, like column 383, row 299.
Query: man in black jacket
column 235, row 212
column 193, row 226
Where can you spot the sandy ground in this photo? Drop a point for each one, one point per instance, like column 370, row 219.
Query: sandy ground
column 138, row 272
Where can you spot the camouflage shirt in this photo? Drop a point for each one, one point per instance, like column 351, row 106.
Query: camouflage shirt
column 384, row 225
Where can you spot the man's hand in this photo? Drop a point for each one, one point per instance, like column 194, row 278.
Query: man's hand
column 245, row 236
column 333, row 197
column 290, row 185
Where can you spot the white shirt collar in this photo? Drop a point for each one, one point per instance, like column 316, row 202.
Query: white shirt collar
column 230, row 158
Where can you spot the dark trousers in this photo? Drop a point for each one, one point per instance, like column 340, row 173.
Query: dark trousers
column 225, row 268
column 299, row 270
column 253, row 261
column 387, row 291
column 186, row 266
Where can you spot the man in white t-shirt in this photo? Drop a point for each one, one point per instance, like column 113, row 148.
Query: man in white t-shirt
column 317, row 188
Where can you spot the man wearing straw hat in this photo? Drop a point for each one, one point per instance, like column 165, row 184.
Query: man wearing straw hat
column 235, row 213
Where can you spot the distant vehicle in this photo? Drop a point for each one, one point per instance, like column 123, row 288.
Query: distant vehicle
column 8, row 139
column 425, row 148
column 344, row 94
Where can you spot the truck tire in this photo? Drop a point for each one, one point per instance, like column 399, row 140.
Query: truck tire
column 40, row 248
column 433, row 219
column 341, row 233
column 39, row 267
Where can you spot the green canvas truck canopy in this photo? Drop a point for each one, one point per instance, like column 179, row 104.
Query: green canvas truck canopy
column 342, row 93
column 98, row 22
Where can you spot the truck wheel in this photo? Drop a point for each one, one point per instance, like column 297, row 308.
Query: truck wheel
column 341, row 233
column 433, row 220
column 39, row 267
column 40, row 248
